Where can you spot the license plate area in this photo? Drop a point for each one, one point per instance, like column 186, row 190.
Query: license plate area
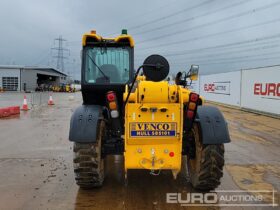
column 152, row 129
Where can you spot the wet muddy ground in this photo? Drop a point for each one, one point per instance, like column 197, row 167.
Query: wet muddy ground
column 36, row 164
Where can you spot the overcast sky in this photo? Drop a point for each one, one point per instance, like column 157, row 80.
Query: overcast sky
column 218, row 35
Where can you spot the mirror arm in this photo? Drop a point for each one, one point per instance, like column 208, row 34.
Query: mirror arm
column 135, row 77
column 184, row 81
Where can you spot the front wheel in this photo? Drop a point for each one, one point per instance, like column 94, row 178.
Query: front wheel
column 88, row 162
column 206, row 167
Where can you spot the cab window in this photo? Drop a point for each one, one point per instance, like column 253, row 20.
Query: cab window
column 107, row 65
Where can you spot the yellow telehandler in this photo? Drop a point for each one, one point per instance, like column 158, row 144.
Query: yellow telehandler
column 152, row 123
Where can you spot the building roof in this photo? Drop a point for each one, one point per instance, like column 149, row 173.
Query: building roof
column 44, row 69
column 31, row 68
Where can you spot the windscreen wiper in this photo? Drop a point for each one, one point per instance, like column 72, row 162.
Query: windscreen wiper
column 107, row 78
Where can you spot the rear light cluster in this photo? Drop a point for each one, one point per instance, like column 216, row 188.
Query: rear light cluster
column 112, row 104
column 192, row 105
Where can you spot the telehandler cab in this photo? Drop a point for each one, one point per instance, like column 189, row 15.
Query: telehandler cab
column 152, row 123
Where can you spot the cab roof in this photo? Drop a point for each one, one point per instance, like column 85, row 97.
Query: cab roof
column 92, row 36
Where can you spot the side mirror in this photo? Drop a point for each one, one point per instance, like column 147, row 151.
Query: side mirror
column 155, row 68
column 193, row 73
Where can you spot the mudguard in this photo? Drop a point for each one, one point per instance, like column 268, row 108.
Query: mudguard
column 84, row 123
column 214, row 129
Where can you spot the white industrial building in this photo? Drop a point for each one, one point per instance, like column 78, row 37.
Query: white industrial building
column 20, row 78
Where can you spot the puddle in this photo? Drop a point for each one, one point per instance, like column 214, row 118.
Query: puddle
column 254, row 178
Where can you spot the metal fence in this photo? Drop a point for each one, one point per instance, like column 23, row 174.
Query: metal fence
column 39, row 98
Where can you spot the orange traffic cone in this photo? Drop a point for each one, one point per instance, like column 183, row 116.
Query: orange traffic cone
column 50, row 102
column 25, row 106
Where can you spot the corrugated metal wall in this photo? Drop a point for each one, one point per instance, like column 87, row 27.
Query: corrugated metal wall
column 29, row 78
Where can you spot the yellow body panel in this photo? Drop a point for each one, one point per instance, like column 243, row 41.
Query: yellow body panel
column 127, row 37
column 140, row 121
column 151, row 136
column 153, row 127
column 153, row 157
column 153, row 92
column 116, row 39
column 95, row 36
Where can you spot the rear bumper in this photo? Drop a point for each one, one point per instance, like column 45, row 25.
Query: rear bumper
column 153, row 157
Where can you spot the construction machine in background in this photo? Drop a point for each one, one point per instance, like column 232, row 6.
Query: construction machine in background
column 152, row 123
column 66, row 88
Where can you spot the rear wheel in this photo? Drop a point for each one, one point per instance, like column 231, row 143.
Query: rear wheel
column 206, row 167
column 88, row 163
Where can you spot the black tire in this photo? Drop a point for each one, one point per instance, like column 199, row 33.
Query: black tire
column 88, row 163
column 206, row 169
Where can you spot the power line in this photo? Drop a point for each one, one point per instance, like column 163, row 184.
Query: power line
column 213, row 22
column 227, row 53
column 239, row 51
column 43, row 59
column 171, row 15
column 195, row 17
column 229, row 45
column 213, row 34
column 60, row 53
column 135, row 27
column 246, row 60
column 212, row 54
column 143, row 14
column 212, row 49
column 41, row 56
column 236, row 58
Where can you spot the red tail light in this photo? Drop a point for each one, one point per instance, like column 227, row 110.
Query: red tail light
column 190, row 114
column 111, row 96
column 194, row 97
